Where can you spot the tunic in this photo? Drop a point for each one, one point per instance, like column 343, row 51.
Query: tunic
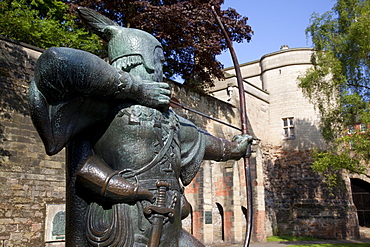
column 137, row 136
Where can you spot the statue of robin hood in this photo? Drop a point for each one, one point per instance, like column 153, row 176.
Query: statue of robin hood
column 128, row 155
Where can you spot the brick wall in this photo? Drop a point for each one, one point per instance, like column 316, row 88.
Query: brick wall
column 217, row 190
column 289, row 197
column 29, row 179
column 299, row 203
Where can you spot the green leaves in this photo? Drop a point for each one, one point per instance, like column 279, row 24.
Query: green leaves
column 45, row 23
column 187, row 30
column 338, row 85
column 330, row 164
column 349, row 152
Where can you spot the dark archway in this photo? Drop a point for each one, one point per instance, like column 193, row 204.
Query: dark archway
column 245, row 213
column 221, row 211
column 191, row 220
column 361, row 199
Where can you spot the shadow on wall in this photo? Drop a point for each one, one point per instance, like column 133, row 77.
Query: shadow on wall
column 16, row 71
column 307, row 136
column 3, row 152
column 298, row 201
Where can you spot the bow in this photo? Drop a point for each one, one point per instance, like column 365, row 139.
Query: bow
column 243, row 117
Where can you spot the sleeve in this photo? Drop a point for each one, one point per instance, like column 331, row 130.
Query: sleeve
column 64, row 73
column 192, row 149
column 71, row 91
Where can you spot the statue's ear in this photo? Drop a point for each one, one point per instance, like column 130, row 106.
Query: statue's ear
column 96, row 21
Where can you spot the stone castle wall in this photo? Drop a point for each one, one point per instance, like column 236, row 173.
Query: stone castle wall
column 282, row 171
column 29, row 179
column 299, row 203
column 289, row 197
column 280, row 73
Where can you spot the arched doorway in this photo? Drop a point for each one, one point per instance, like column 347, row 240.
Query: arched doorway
column 361, row 199
column 245, row 214
column 221, row 212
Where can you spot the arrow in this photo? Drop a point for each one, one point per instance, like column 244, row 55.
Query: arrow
column 174, row 103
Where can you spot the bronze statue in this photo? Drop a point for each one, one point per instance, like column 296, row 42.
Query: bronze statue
column 128, row 155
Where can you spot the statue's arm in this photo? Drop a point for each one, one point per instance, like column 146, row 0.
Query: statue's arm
column 106, row 184
column 73, row 90
column 64, row 73
column 221, row 150
column 214, row 148
column 198, row 145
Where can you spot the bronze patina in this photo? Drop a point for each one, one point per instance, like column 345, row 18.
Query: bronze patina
column 128, row 156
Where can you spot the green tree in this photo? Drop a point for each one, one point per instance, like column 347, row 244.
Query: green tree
column 45, row 23
column 338, row 85
column 186, row 28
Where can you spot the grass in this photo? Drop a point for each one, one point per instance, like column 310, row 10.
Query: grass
column 289, row 238
column 331, row 245
column 292, row 238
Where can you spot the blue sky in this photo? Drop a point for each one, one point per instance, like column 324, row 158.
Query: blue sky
column 275, row 23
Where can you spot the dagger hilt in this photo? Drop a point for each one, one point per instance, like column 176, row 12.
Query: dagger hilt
column 161, row 192
column 160, row 207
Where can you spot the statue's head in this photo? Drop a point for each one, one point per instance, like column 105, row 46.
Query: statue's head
column 129, row 49
column 135, row 51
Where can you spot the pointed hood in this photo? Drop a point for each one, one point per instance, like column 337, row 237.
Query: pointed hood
column 129, row 41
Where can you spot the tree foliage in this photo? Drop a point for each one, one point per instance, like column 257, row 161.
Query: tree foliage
column 187, row 30
column 338, row 85
column 45, row 23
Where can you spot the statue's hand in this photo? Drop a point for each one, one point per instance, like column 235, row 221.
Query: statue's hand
column 142, row 194
column 152, row 94
column 243, row 144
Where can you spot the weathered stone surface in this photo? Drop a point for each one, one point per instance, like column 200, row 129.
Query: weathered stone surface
column 298, row 201
column 25, row 185
column 292, row 198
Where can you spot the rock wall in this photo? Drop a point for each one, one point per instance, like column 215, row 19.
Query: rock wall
column 32, row 182
column 289, row 197
column 29, row 179
column 217, row 193
column 299, row 203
